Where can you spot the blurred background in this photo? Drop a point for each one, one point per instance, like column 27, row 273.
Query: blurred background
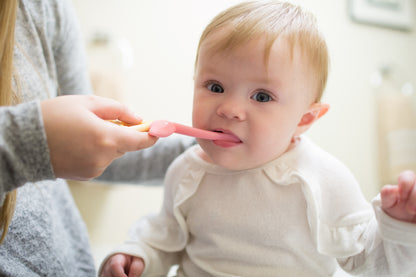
column 143, row 52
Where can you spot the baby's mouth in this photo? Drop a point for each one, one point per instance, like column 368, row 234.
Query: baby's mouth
column 229, row 133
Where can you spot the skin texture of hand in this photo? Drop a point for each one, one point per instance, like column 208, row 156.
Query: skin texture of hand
column 81, row 142
column 399, row 201
column 122, row 265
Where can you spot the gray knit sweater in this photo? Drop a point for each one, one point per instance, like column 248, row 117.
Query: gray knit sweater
column 47, row 236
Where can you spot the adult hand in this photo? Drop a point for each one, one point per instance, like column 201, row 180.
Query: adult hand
column 81, row 142
column 122, row 265
column 400, row 201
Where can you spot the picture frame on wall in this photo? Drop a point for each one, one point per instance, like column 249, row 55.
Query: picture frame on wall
column 396, row 14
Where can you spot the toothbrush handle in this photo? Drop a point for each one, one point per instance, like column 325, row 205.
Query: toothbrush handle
column 204, row 134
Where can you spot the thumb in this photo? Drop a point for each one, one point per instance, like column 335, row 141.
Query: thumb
column 129, row 139
column 389, row 196
column 405, row 184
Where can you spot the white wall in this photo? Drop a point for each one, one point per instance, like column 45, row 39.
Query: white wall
column 164, row 34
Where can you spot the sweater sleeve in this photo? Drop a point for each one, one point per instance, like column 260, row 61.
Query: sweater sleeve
column 59, row 60
column 69, row 52
column 24, row 154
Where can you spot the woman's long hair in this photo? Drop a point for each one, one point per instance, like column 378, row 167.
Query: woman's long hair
column 8, row 9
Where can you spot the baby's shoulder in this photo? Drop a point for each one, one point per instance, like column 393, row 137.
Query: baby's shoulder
column 321, row 163
column 184, row 169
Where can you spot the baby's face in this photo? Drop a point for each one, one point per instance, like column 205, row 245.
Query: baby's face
column 236, row 92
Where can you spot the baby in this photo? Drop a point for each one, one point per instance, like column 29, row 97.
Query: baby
column 274, row 203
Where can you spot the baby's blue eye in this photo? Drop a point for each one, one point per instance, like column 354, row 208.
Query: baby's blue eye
column 215, row 88
column 261, row 97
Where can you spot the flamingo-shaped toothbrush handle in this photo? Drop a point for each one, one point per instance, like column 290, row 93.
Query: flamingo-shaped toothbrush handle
column 163, row 128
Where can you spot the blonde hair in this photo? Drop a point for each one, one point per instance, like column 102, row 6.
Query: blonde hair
column 251, row 20
column 8, row 9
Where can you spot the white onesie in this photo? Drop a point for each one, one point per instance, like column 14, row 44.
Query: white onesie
column 297, row 215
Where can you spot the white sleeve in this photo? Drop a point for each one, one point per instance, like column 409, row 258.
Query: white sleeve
column 160, row 239
column 389, row 248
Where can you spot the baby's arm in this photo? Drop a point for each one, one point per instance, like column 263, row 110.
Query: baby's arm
column 122, row 265
column 158, row 239
column 399, row 201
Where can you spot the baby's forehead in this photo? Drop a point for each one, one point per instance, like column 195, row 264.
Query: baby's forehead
column 223, row 43
column 279, row 53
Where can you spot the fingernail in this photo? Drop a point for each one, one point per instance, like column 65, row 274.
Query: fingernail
column 408, row 176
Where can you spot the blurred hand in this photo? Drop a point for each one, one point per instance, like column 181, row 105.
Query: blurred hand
column 122, row 265
column 81, row 142
column 399, row 201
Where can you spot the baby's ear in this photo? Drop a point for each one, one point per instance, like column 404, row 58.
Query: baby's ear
column 315, row 111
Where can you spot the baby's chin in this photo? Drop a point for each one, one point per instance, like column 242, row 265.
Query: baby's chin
column 227, row 164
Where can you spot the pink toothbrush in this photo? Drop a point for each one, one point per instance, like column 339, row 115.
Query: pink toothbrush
column 163, row 128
